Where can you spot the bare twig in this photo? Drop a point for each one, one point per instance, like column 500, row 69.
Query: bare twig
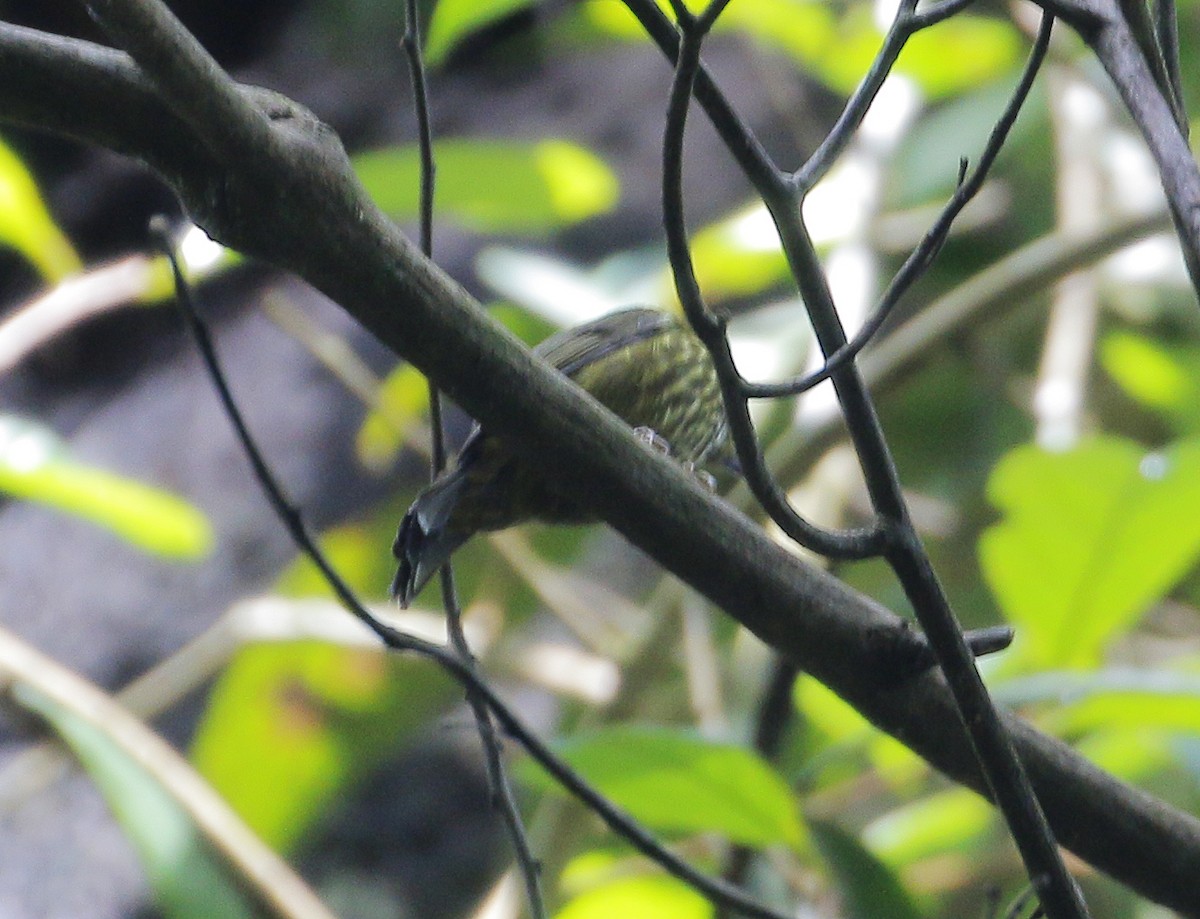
column 501, row 789
column 922, row 256
column 894, row 536
column 711, row 329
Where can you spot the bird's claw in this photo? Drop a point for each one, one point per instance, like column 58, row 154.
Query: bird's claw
column 652, row 439
column 658, row 444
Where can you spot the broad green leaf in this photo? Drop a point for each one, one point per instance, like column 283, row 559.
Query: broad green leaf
column 1089, row 540
column 354, row 550
column 836, row 729
column 34, row 466
column 677, row 782
column 403, row 401
column 805, row 31
column 454, row 20
column 1131, row 754
column 739, row 257
column 925, row 165
column 189, row 880
column 495, row 186
column 26, row 224
column 868, row 887
column 653, row 897
column 950, row 821
column 1112, row 698
column 289, row 724
column 1161, row 377
column 963, row 52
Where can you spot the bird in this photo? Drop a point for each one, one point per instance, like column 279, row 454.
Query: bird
column 645, row 365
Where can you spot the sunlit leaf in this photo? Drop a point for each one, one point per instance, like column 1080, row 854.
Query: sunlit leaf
column 961, row 53
column 803, row 30
column 950, row 821
column 677, row 782
column 34, row 466
column 354, row 551
column 454, row 20
column 188, row 879
column 1112, row 698
column 841, row 738
column 289, row 724
column 1089, row 539
column 638, row 898
column 26, row 224
column 739, row 257
column 495, row 186
column 868, row 888
column 402, row 406
column 1161, row 377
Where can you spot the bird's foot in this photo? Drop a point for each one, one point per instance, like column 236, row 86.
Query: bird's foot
column 652, row 439
column 703, row 476
column 659, row 444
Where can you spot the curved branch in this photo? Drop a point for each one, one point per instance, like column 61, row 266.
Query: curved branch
column 314, row 219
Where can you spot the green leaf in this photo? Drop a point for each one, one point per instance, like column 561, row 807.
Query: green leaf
column 454, row 20
column 1115, row 698
column 403, row 401
column 34, row 466
column 26, row 224
column 289, row 724
column 638, row 898
column 189, row 880
column 677, row 782
column 1089, row 540
column 962, row 53
column 1161, row 377
column 739, row 257
column 495, row 186
column 869, row 888
column 950, row 821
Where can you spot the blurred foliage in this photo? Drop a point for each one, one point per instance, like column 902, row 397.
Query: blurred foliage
column 190, row 879
column 494, row 186
column 675, row 782
column 318, row 718
column 1089, row 551
column 27, row 226
column 35, row 466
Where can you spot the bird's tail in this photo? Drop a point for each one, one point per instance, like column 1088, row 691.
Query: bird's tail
column 424, row 541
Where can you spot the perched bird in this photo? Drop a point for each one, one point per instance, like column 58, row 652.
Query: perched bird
column 644, row 365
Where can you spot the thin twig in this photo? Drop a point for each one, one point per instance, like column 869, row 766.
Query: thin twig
column 501, row 789
column 901, row 546
column 923, row 255
column 1166, row 30
column 711, row 329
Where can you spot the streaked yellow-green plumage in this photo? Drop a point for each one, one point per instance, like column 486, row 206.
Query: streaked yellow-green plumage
column 644, row 365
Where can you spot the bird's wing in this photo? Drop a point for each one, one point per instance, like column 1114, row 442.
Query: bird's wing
column 575, row 348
